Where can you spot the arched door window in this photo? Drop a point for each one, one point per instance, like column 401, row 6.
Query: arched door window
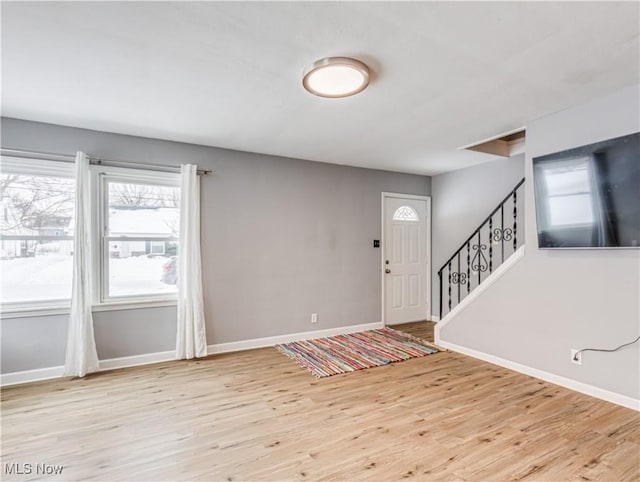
column 406, row 213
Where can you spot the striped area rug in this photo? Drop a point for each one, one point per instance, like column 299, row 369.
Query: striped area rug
column 324, row 357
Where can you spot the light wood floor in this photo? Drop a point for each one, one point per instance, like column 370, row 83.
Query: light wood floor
column 256, row 415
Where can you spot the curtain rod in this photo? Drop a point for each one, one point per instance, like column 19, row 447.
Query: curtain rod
column 100, row 161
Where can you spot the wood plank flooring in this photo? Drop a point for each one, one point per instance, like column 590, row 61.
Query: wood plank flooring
column 256, row 415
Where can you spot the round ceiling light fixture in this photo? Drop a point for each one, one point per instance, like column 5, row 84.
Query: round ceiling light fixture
column 336, row 77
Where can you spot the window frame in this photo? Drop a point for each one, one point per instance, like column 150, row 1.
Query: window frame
column 412, row 218
column 36, row 167
column 162, row 243
column 40, row 167
column 100, row 177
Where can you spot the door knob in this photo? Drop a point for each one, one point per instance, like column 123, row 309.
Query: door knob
column 387, row 271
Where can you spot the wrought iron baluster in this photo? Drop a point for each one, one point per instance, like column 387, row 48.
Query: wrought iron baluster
column 458, row 277
column 440, row 278
column 479, row 259
column 490, row 245
column 460, row 280
column 449, row 285
column 502, row 229
column 468, row 267
column 515, row 218
column 479, row 263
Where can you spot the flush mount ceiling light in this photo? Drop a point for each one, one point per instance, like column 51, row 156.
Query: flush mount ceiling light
column 336, row 77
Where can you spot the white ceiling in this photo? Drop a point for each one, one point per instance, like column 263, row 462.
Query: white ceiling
column 229, row 74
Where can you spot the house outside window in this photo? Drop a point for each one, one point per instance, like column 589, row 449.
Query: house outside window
column 139, row 238
column 133, row 236
column 37, row 203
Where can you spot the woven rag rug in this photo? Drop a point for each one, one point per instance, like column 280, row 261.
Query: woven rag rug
column 324, row 357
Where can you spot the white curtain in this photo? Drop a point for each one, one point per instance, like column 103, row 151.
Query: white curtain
column 82, row 357
column 191, row 339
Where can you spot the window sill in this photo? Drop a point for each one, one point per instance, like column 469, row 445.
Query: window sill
column 133, row 305
column 64, row 310
column 29, row 312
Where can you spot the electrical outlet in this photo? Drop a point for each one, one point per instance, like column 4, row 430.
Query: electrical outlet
column 576, row 357
column 314, row 317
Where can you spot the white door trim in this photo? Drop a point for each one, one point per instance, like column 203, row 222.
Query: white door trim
column 396, row 195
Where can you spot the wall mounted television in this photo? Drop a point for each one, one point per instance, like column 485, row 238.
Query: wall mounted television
column 589, row 197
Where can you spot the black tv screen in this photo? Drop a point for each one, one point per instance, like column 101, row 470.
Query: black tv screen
column 589, row 197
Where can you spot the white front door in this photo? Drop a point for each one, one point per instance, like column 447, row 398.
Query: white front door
column 405, row 259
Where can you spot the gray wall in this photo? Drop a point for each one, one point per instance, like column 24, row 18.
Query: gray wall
column 460, row 201
column 281, row 238
column 556, row 300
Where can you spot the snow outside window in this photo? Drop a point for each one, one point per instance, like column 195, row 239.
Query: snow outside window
column 134, row 239
column 36, row 242
column 140, row 238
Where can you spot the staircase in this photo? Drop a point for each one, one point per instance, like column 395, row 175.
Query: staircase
column 494, row 241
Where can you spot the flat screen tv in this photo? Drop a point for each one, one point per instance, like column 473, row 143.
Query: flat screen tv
column 589, row 197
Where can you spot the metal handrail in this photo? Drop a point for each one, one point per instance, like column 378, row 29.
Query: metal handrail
column 507, row 197
column 499, row 234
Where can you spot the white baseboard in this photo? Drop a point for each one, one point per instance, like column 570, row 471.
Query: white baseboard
column 137, row 360
column 40, row 374
column 498, row 273
column 435, row 318
column 585, row 388
column 275, row 340
column 16, row 378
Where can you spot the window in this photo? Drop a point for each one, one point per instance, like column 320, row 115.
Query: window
column 139, row 236
column 134, row 235
column 405, row 213
column 36, row 241
column 157, row 247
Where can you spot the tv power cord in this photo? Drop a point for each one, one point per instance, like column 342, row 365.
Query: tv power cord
column 575, row 355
